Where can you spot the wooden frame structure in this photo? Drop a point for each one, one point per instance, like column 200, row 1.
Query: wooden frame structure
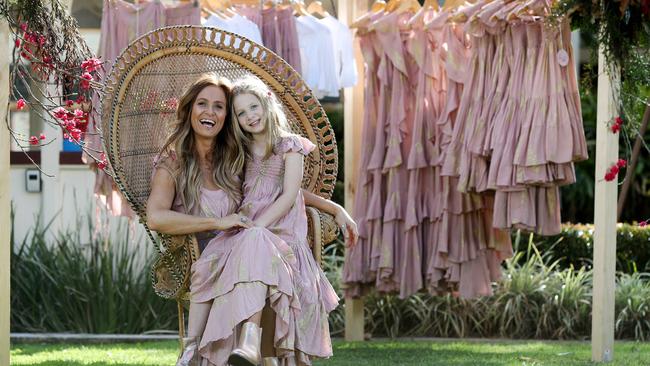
column 605, row 197
column 604, row 220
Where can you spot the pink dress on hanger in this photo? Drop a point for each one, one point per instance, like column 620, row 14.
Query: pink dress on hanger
column 392, row 33
column 251, row 13
column 183, row 14
column 288, row 37
column 423, row 49
column 358, row 272
column 122, row 23
column 302, row 329
column 467, row 252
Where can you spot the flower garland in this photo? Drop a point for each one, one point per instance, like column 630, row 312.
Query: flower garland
column 49, row 51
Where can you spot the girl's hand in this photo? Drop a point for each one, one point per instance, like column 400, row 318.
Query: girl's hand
column 348, row 227
column 233, row 221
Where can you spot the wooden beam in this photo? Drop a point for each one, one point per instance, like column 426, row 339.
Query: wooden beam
column 353, row 117
column 602, row 322
column 5, row 195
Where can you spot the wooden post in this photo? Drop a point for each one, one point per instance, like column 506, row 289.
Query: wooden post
column 602, row 322
column 5, row 195
column 353, row 117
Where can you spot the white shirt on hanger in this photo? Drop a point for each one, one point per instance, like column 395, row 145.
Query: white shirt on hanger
column 347, row 67
column 236, row 24
column 317, row 56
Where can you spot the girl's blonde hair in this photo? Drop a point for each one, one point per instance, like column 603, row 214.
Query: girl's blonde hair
column 227, row 155
column 274, row 119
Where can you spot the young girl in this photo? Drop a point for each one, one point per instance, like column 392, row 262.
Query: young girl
column 273, row 200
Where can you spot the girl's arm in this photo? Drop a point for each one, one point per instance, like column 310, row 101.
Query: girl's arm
column 293, row 162
column 161, row 218
column 343, row 219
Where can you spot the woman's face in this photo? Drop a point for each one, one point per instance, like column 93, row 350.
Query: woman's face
column 248, row 111
column 209, row 112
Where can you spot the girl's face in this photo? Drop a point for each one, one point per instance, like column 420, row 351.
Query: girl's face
column 248, row 111
column 209, row 112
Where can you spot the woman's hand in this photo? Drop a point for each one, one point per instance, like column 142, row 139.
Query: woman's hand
column 348, row 227
column 233, row 221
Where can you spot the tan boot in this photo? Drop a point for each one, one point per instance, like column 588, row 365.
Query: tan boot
column 190, row 355
column 247, row 352
column 270, row 361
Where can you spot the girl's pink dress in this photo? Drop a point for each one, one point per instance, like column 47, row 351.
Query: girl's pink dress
column 277, row 258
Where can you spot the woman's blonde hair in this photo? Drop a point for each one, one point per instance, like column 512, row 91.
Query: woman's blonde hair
column 227, row 155
column 275, row 121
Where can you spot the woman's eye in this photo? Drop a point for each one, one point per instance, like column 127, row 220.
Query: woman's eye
column 201, row 103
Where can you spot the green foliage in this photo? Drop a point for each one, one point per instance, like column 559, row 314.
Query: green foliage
column 67, row 285
column 335, row 115
column 574, row 247
column 535, row 298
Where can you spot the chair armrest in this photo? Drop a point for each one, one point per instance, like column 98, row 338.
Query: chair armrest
column 170, row 273
column 322, row 231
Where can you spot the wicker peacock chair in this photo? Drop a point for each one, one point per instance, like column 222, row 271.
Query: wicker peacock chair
column 141, row 93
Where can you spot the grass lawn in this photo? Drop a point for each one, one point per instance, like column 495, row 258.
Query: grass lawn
column 375, row 353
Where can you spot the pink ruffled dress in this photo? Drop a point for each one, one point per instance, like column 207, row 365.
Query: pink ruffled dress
column 240, row 270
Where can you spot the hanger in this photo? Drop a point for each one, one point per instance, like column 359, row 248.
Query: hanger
column 428, row 5
column 400, row 6
column 378, row 6
column 299, row 8
column 316, row 7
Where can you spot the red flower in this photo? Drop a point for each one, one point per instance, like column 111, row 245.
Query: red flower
column 78, row 113
column 23, row 27
column 615, row 128
column 614, row 169
column 610, row 176
column 60, row 113
column 41, row 137
column 17, row 42
column 41, row 40
column 69, row 103
column 33, row 140
column 20, row 104
column 619, row 120
column 643, row 223
column 80, row 99
column 621, row 163
column 91, row 64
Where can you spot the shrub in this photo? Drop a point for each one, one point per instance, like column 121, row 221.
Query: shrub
column 574, row 247
column 72, row 286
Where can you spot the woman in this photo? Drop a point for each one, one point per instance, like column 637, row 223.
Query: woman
column 196, row 188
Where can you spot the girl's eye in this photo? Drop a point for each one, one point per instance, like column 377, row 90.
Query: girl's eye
column 240, row 114
column 254, row 106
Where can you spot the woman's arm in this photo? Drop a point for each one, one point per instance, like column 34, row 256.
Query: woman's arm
column 161, row 218
column 343, row 219
column 293, row 162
